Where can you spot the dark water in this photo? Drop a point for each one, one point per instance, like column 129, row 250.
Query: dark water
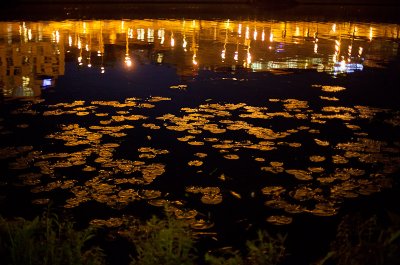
column 233, row 125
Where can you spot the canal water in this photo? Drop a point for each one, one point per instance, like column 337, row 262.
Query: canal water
column 232, row 125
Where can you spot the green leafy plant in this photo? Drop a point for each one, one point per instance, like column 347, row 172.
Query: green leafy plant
column 365, row 241
column 46, row 241
column 264, row 250
column 168, row 241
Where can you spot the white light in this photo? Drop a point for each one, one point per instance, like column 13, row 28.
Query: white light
column 248, row 58
column 140, row 34
column 130, row 33
column 194, row 59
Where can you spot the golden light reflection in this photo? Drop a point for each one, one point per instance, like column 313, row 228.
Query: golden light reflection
column 211, row 43
column 370, row 33
column 172, row 40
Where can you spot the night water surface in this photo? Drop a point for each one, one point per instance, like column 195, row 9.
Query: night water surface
column 232, row 125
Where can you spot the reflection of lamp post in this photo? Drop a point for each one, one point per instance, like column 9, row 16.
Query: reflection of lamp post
column 128, row 61
column 236, row 56
column 101, row 49
column 194, row 48
column 89, row 49
column 225, row 41
column 172, row 40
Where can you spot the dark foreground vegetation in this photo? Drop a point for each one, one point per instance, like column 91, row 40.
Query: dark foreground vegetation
column 48, row 240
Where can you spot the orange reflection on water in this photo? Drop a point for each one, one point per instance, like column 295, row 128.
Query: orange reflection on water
column 31, row 52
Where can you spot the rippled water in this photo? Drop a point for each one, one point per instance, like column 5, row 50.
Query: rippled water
column 221, row 122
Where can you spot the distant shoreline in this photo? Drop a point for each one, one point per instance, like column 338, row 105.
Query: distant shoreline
column 229, row 9
column 215, row 2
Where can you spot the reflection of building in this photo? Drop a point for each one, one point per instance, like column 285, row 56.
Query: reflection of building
column 32, row 54
column 27, row 65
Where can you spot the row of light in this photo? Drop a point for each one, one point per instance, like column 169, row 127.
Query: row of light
column 161, row 36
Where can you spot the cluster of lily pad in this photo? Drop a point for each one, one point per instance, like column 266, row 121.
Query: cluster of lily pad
column 337, row 170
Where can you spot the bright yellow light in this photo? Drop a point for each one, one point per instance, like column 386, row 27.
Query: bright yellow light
column 247, row 36
column 102, row 70
column 87, row 47
column 255, row 34
column 263, row 35
column 194, row 61
column 130, row 33
column 240, row 29
column 172, row 40
column 128, row 60
column 25, row 81
column 184, row 44
column 227, row 24
column 337, row 45
column 334, row 27
column 70, row 40
column 271, row 37
column 223, row 54
column 57, row 36
column 370, row 33
column 140, row 34
column 236, row 56
column 316, row 48
column 160, row 57
column 150, row 35
column 161, row 35
column 79, row 44
column 248, row 58
column 360, row 51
